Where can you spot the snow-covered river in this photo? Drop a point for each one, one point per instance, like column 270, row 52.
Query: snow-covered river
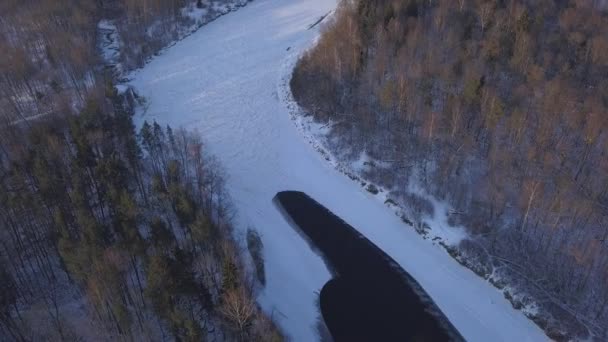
column 226, row 82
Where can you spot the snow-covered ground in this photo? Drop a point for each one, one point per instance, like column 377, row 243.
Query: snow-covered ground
column 226, row 81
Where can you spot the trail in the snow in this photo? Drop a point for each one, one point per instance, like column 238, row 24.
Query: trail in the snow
column 223, row 81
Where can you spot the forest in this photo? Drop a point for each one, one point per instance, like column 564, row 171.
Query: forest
column 107, row 233
column 500, row 108
column 143, row 244
column 51, row 58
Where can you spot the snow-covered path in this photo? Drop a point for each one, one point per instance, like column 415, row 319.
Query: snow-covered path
column 224, row 81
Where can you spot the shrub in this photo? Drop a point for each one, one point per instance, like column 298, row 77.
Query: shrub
column 255, row 247
column 372, row 189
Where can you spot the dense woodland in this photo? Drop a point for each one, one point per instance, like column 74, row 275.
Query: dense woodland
column 50, row 49
column 107, row 233
column 498, row 107
column 143, row 246
column 48, row 56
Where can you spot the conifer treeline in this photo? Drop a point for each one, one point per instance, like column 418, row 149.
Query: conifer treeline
column 499, row 107
column 141, row 238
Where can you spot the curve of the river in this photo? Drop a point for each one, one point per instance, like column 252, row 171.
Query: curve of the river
column 225, row 81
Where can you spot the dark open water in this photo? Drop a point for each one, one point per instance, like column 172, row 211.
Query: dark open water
column 370, row 298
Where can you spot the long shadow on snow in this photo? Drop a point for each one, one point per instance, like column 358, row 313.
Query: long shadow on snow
column 370, row 298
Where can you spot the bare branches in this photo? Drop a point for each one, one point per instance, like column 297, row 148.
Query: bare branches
column 238, row 307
